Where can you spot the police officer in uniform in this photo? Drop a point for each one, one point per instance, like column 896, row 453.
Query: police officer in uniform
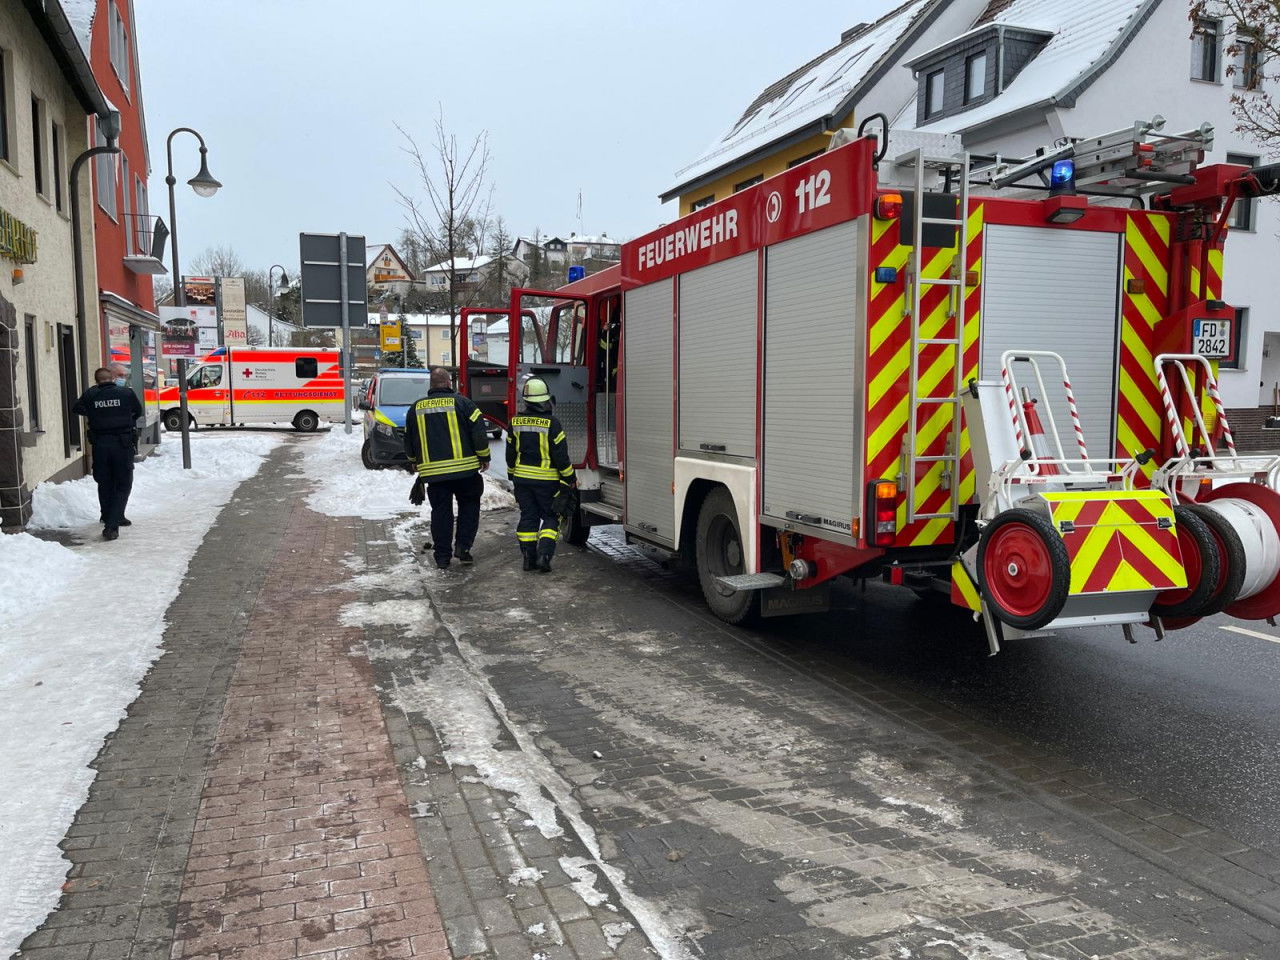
column 446, row 439
column 539, row 467
column 112, row 409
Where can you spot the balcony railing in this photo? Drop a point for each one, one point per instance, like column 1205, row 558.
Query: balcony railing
column 146, row 236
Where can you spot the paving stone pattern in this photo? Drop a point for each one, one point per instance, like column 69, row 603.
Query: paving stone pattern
column 129, row 843
column 777, row 812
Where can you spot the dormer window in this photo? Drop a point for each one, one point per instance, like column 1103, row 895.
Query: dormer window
column 934, row 88
column 975, row 77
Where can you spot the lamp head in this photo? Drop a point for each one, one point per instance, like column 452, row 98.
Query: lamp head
column 203, row 182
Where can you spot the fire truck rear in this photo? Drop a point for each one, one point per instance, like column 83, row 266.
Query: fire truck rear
column 992, row 379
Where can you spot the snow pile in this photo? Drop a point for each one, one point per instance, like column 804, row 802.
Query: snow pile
column 526, row 877
column 76, row 645
column 615, row 933
column 344, row 488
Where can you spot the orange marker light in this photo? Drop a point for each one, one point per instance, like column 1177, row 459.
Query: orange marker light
column 888, row 206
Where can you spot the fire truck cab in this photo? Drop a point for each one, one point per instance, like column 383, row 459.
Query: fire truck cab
column 992, row 379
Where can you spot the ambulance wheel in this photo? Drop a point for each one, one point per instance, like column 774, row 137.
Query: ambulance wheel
column 1231, row 561
column 306, row 422
column 172, row 420
column 1200, row 560
column 1023, row 569
column 720, row 554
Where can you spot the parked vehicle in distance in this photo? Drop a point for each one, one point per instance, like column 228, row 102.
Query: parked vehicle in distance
column 244, row 386
column 386, row 402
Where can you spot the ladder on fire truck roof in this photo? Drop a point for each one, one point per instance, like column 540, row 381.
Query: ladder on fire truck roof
column 951, row 346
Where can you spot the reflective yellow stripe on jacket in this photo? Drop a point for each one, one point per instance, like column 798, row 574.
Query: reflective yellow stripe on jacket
column 542, row 470
column 457, row 463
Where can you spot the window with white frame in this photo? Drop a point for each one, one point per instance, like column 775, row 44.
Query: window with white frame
column 127, row 201
column 1206, row 37
column 142, row 208
column 1246, row 72
column 975, row 77
column 1245, row 208
column 933, row 93
column 104, row 166
column 119, row 45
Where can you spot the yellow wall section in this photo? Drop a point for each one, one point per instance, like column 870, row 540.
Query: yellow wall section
column 767, row 167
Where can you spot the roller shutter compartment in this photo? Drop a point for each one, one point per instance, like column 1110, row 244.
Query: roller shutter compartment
column 718, row 307
column 1059, row 290
column 650, row 466
column 811, row 432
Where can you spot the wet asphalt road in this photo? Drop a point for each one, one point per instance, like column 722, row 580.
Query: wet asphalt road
column 1191, row 722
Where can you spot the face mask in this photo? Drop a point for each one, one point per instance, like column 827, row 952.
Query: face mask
column 120, row 381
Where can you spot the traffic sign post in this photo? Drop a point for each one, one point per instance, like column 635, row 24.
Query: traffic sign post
column 333, row 287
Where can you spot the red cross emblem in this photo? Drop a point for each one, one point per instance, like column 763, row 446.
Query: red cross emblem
column 248, row 372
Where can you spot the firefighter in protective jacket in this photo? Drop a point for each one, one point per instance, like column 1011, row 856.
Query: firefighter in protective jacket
column 445, row 437
column 539, row 467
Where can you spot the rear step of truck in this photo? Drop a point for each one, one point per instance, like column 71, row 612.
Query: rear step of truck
column 609, row 506
column 743, row 582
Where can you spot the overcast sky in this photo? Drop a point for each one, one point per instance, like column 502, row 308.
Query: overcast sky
column 298, row 101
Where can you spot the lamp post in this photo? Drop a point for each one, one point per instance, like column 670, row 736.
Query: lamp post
column 284, row 282
column 205, row 186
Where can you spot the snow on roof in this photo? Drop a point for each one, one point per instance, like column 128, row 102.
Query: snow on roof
column 80, row 16
column 461, row 263
column 1085, row 34
column 602, row 239
column 810, row 93
column 985, row 27
column 413, row 319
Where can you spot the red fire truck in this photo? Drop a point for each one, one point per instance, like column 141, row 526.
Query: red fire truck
column 991, row 379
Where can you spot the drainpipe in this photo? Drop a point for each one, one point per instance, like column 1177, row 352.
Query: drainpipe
column 110, row 126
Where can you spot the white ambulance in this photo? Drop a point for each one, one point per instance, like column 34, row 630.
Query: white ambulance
column 232, row 387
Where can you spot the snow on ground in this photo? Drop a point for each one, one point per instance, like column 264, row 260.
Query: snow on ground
column 344, row 488
column 78, row 640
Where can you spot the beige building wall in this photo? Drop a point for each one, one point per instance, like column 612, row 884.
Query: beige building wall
column 46, row 291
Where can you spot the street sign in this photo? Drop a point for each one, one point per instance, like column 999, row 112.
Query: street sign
column 323, row 260
column 390, row 334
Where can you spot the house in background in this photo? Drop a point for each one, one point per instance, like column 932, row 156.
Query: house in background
column 791, row 119
column 49, row 102
column 1027, row 73
column 387, row 272
column 129, row 241
column 468, row 274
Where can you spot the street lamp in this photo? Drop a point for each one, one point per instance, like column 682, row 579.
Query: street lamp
column 205, row 186
column 284, row 282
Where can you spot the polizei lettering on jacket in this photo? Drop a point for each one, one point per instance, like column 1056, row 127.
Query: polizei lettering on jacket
column 101, row 404
column 686, row 240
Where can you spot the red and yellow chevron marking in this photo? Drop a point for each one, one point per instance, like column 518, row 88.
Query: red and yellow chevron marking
column 964, row 592
column 888, row 376
column 1117, row 544
column 1140, row 410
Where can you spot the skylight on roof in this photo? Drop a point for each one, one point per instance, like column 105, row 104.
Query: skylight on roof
column 841, row 70
column 790, row 98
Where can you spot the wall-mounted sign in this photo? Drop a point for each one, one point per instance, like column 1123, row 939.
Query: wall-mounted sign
column 17, row 240
column 200, row 291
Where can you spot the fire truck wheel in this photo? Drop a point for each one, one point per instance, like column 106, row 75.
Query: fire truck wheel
column 306, row 422
column 1023, row 569
column 578, row 532
column 720, row 554
column 1200, row 559
column 1231, row 561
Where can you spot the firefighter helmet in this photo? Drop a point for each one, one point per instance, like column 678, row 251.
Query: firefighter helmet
column 535, row 391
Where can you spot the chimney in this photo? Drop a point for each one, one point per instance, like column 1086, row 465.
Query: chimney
column 853, row 32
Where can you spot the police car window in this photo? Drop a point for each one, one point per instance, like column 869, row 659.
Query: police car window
column 305, row 368
column 402, row 391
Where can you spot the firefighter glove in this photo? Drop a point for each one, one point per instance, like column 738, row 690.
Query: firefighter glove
column 418, row 493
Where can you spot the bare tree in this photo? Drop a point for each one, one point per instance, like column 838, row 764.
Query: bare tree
column 1253, row 49
column 223, row 261
column 453, row 209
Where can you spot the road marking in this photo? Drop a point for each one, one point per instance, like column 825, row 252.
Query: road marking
column 1253, row 633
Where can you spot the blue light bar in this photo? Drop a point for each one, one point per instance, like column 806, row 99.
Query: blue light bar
column 1064, row 171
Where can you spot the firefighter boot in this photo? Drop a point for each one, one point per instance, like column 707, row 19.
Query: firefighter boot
column 544, row 557
column 530, row 558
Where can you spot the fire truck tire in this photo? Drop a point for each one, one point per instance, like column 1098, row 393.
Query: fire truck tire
column 1024, row 571
column 1201, row 560
column 172, row 420
column 720, row 553
column 306, row 422
column 579, row 532
column 1231, row 561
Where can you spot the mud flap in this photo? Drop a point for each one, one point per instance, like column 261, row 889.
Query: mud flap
column 781, row 602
